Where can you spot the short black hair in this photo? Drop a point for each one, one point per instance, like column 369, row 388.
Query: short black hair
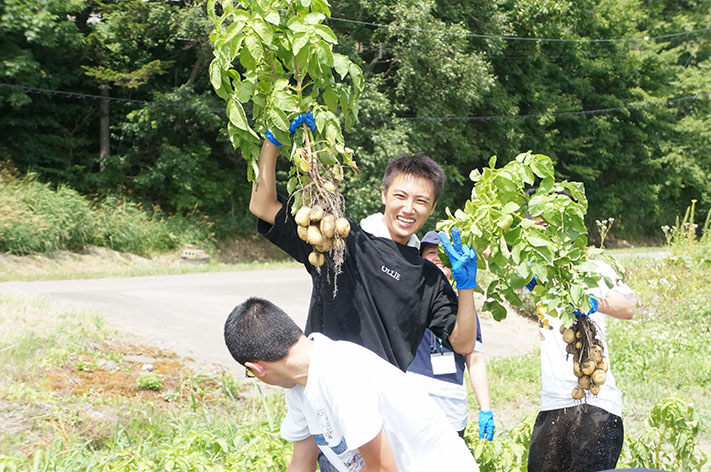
column 258, row 330
column 418, row 165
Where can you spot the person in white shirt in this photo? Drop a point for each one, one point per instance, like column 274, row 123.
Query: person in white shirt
column 579, row 435
column 360, row 411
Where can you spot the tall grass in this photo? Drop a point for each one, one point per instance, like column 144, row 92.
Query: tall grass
column 35, row 218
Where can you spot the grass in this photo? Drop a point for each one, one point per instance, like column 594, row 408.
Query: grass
column 56, row 416
column 36, row 218
column 157, row 266
column 70, row 401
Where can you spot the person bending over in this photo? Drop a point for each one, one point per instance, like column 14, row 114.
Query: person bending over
column 361, row 412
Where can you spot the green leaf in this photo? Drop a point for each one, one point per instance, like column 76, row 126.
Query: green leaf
column 247, row 60
column 324, row 54
column 536, row 238
column 305, row 3
column 236, row 115
column 340, row 64
column 330, row 99
column 314, row 18
column 279, row 119
column 492, row 161
column 262, row 29
column 510, row 207
column 496, row 309
column 254, row 46
column 588, row 266
column 320, row 121
column 300, row 40
column 320, row 6
column 296, row 25
column 326, row 33
column 215, row 74
column 273, row 17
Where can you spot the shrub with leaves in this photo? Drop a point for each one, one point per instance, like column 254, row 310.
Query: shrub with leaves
column 273, row 61
column 669, row 441
column 500, row 216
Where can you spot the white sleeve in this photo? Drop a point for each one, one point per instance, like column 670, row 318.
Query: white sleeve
column 294, row 427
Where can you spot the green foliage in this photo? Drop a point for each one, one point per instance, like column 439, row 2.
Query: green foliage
column 683, row 241
column 34, row 218
column 286, row 66
column 669, row 442
column 149, row 382
column 427, row 87
column 507, row 452
column 500, row 217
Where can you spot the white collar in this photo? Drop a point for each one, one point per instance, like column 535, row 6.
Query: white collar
column 375, row 225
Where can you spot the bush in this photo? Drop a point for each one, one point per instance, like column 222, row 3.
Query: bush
column 34, row 218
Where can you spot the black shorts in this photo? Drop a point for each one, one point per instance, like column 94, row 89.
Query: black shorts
column 583, row 438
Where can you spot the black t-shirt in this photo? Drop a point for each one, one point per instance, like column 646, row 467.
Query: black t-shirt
column 387, row 294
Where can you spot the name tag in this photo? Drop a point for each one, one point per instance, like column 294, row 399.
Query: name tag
column 443, row 363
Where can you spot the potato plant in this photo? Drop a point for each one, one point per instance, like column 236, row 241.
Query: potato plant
column 532, row 226
column 273, row 60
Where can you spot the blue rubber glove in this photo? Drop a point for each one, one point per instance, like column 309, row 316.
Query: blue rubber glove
column 268, row 134
column 532, row 284
column 307, row 118
column 486, row 424
column 462, row 258
column 593, row 308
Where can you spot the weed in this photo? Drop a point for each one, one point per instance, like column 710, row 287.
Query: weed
column 149, row 382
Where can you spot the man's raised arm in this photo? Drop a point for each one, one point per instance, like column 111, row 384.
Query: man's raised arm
column 464, row 267
column 264, row 203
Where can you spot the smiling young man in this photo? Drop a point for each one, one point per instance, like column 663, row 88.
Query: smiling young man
column 387, row 294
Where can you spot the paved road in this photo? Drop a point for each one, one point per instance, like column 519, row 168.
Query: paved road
column 186, row 313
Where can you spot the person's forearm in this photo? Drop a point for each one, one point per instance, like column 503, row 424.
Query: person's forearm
column 616, row 305
column 264, row 203
column 476, row 365
column 463, row 336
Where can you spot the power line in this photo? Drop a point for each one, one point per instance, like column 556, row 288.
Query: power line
column 518, row 38
column 87, row 96
column 600, row 111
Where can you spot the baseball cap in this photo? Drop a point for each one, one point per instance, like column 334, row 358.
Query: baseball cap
column 430, row 238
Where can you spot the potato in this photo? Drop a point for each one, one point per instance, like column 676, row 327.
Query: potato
column 594, row 389
column 578, row 393
column 325, row 246
column 316, row 259
column 303, row 232
column 602, row 365
column 588, row 367
column 577, row 370
column 314, row 236
column 569, row 335
column 599, row 376
column 584, row 382
column 578, row 335
column 570, row 349
column 562, row 329
column 328, row 225
column 330, row 187
column 578, row 345
column 597, row 354
column 303, row 216
column 343, row 227
column 316, row 213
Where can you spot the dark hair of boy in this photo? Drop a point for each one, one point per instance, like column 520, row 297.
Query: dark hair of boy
column 418, row 165
column 258, row 330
